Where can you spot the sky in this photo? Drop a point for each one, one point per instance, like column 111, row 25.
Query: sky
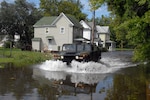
column 86, row 8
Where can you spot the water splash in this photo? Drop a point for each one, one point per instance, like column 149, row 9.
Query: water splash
column 110, row 62
column 88, row 67
column 53, row 65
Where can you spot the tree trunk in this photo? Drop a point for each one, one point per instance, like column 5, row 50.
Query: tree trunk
column 121, row 44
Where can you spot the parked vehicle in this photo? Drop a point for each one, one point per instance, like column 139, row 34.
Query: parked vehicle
column 80, row 52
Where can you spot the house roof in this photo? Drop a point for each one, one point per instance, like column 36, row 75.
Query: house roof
column 103, row 29
column 86, row 26
column 36, row 39
column 51, row 20
column 74, row 20
column 45, row 21
column 90, row 24
column 50, row 37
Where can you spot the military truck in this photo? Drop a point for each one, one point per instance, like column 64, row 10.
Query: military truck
column 80, row 52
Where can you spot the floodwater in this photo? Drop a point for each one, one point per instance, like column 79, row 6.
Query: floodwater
column 115, row 77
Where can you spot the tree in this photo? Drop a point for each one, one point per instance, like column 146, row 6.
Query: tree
column 95, row 4
column 26, row 15
column 103, row 20
column 49, row 7
column 7, row 18
column 71, row 8
column 134, row 22
column 55, row 7
column 18, row 18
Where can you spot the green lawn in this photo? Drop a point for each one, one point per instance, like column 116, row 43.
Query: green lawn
column 22, row 58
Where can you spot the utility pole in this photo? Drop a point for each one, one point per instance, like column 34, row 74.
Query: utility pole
column 93, row 27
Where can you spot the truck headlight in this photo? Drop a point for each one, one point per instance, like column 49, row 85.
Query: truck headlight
column 62, row 57
column 77, row 57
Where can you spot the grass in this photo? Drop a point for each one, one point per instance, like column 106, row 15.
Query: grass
column 22, row 58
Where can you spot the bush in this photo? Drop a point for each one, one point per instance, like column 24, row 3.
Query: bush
column 6, row 44
column 104, row 49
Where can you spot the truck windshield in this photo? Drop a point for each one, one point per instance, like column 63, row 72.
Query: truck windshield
column 83, row 47
column 69, row 47
column 87, row 47
column 80, row 48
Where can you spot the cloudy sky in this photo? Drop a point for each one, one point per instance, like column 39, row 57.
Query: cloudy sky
column 86, row 9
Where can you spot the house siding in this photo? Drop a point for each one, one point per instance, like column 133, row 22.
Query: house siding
column 87, row 30
column 103, row 38
column 40, row 32
column 65, row 37
column 36, row 45
column 77, row 32
column 87, row 34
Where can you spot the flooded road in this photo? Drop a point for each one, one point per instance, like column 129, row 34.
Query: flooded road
column 115, row 77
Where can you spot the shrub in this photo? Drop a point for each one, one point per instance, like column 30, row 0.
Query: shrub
column 6, row 44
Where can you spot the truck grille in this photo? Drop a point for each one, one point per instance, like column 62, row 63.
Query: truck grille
column 69, row 57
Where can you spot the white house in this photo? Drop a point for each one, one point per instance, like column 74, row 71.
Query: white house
column 104, row 35
column 50, row 33
column 87, row 32
column 101, row 34
column 4, row 38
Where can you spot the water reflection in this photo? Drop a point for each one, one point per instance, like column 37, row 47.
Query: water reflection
column 33, row 83
column 15, row 83
column 77, row 86
column 131, row 84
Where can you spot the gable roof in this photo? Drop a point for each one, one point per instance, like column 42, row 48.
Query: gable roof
column 45, row 21
column 103, row 29
column 82, row 22
column 90, row 24
column 50, row 21
column 74, row 20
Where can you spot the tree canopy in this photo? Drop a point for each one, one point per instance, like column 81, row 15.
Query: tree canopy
column 95, row 4
column 133, row 19
column 55, row 7
column 18, row 18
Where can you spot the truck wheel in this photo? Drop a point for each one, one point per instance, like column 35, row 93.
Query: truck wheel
column 99, row 58
column 68, row 63
column 86, row 60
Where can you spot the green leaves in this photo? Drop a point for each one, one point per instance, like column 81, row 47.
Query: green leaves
column 18, row 17
column 147, row 17
column 95, row 4
column 132, row 24
column 141, row 2
column 55, row 7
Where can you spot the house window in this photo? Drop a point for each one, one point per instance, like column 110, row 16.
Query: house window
column 46, row 30
column 62, row 30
